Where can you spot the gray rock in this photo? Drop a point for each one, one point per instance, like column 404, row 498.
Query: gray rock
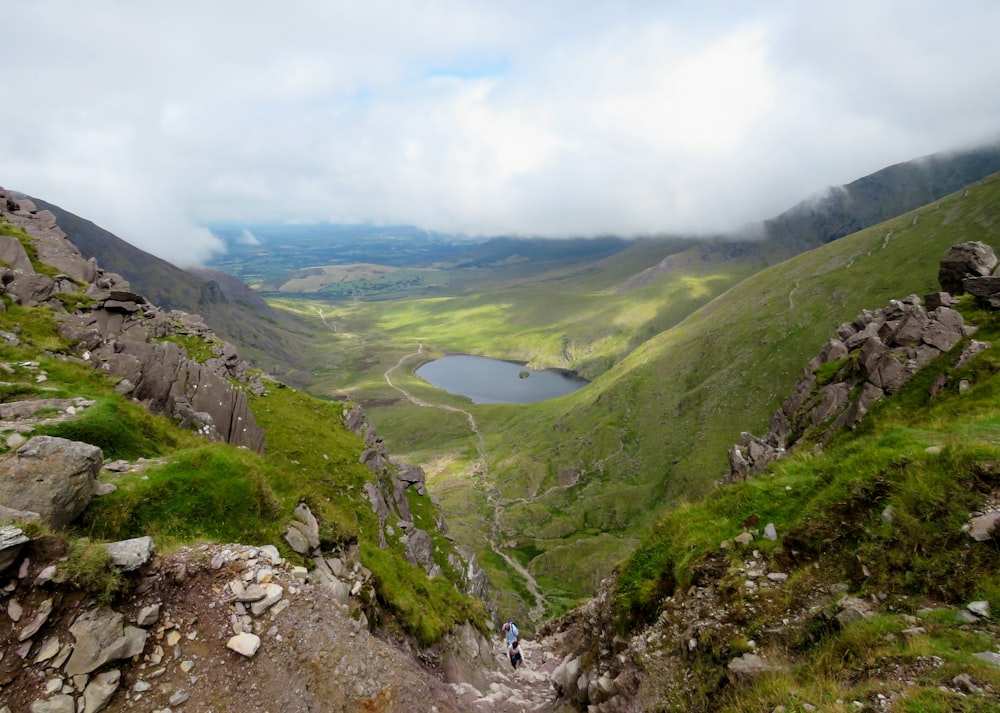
column 98, row 692
column 296, row 539
column 979, row 608
column 30, row 290
column 61, row 703
column 305, row 516
column 565, row 676
column 244, row 644
column 770, row 533
column 989, row 657
column 131, row 554
column 749, row 666
column 101, row 637
column 973, row 258
column 13, row 253
column 419, row 548
column 969, row 352
column 52, row 476
column 982, row 527
column 272, row 554
column 986, row 290
column 179, row 698
column 253, row 593
column 148, row 615
column 12, row 541
column 966, row 617
column 852, row 610
column 273, row 594
column 41, row 616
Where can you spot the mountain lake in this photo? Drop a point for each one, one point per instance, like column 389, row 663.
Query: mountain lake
column 493, row 381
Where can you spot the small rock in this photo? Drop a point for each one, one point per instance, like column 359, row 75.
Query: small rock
column 179, row 698
column 61, row 703
column 980, row 609
column 14, row 610
column 744, row 538
column 966, row 617
column 98, row 692
column 964, row 682
column 770, row 532
column 272, row 554
column 45, row 575
column 244, row 644
column 981, row 528
column 148, row 615
column 988, row 657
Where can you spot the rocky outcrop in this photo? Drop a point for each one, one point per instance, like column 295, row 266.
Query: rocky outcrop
column 965, row 260
column 53, row 477
column 869, row 358
column 120, row 332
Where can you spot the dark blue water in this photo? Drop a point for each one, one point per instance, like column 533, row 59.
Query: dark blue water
column 492, row 381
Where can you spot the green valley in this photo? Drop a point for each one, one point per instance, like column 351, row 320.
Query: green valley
column 708, row 332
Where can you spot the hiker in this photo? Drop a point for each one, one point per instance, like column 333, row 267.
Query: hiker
column 515, row 654
column 510, row 633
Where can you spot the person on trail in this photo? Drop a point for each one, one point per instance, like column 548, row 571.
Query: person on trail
column 510, row 633
column 515, row 655
column 512, row 637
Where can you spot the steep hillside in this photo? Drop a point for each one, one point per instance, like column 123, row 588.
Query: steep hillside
column 95, row 485
column 858, row 573
column 582, row 475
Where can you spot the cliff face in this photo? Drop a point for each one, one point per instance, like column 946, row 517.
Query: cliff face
column 121, row 332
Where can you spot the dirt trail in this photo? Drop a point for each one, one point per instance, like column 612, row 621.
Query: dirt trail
column 480, row 475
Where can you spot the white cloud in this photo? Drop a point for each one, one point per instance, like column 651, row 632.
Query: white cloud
column 534, row 118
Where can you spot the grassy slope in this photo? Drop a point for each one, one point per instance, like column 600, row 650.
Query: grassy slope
column 217, row 492
column 655, row 429
column 830, row 511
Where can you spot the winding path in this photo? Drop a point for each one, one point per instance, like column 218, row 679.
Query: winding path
column 480, row 473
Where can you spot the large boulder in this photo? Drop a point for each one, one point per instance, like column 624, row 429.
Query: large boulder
column 13, row 254
column 970, row 259
column 54, row 477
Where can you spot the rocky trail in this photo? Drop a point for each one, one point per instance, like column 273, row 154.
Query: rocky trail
column 528, row 688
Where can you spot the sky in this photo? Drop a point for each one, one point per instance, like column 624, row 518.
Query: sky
column 518, row 117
